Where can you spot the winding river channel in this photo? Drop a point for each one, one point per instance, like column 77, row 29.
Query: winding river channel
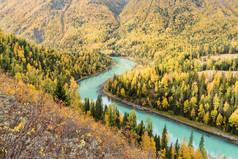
column 215, row 146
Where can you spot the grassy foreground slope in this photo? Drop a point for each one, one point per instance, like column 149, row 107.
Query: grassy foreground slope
column 32, row 125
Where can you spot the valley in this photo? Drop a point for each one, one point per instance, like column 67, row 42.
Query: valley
column 161, row 74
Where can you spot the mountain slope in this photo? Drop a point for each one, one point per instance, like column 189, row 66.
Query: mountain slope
column 65, row 23
column 45, row 68
column 127, row 27
column 180, row 37
column 162, row 26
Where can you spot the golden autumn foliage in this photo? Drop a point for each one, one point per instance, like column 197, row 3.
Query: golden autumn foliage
column 148, row 144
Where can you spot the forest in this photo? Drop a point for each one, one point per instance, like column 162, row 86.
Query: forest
column 221, row 64
column 47, row 69
column 175, row 84
column 178, row 79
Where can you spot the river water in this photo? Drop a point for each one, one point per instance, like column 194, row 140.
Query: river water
column 215, row 146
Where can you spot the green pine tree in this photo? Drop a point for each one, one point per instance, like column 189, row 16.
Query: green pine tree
column 99, row 109
column 60, row 92
column 190, row 143
column 164, row 138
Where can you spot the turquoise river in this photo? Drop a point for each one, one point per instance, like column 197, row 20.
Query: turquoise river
column 215, row 146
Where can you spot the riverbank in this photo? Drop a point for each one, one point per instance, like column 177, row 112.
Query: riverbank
column 197, row 125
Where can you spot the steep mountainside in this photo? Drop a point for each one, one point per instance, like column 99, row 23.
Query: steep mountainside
column 131, row 27
column 160, row 26
column 67, row 23
column 45, row 68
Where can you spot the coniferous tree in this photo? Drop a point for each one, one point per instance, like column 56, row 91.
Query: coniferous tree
column 140, row 130
column 169, row 152
column 125, row 119
column 201, row 144
column 118, row 122
column 99, row 109
column 132, row 120
column 190, row 143
column 157, row 144
column 86, row 105
column 92, row 110
column 176, row 148
column 202, row 148
column 60, row 92
column 149, row 127
column 164, row 144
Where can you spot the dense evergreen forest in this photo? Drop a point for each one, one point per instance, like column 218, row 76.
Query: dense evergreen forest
column 221, row 64
column 181, row 38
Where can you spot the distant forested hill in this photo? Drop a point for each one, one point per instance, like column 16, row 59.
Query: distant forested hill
column 128, row 27
column 64, row 23
column 155, row 27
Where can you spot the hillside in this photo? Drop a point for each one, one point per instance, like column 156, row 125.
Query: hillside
column 32, row 125
column 162, row 26
column 34, row 119
column 66, row 23
column 128, row 28
column 133, row 27
column 190, row 43
column 46, row 69
column 193, row 45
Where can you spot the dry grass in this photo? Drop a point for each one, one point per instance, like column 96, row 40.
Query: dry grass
column 51, row 130
column 221, row 56
column 210, row 73
column 204, row 59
